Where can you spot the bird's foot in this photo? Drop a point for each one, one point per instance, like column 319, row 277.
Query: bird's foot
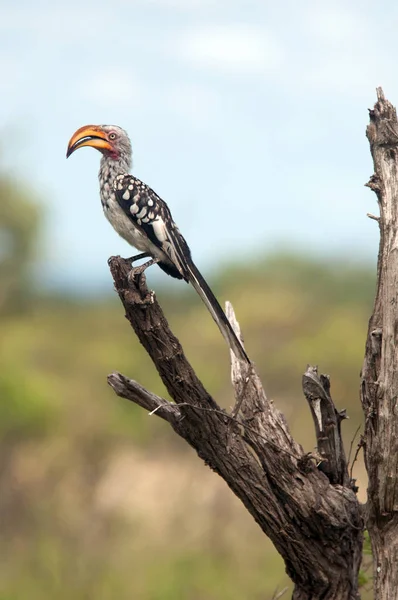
column 136, row 272
column 139, row 270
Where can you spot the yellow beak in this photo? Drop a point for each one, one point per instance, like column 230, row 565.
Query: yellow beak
column 89, row 135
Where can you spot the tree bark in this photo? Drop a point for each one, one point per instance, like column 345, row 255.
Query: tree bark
column 379, row 377
column 305, row 503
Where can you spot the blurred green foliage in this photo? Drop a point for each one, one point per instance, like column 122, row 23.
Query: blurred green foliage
column 99, row 500
column 62, row 428
column 19, row 223
column 365, row 574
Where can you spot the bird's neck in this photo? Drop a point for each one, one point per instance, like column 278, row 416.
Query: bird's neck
column 109, row 169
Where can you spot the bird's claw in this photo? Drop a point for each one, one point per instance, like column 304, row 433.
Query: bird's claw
column 136, row 279
column 135, row 275
column 137, row 271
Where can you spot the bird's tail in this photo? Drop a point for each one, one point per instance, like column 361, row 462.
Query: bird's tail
column 204, row 291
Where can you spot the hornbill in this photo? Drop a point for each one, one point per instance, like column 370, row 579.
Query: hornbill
column 144, row 220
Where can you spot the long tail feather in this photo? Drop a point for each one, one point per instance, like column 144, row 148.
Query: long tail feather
column 209, row 299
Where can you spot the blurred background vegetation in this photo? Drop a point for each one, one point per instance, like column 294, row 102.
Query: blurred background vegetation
column 100, row 500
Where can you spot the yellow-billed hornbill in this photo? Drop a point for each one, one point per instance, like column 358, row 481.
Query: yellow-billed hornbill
column 144, row 220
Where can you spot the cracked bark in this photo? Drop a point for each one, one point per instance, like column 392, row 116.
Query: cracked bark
column 327, row 422
column 379, row 377
column 305, row 503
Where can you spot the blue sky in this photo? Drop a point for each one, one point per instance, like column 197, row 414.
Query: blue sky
column 247, row 116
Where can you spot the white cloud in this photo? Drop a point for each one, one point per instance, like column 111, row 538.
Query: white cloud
column 193, row 102
column 11, row 73
column 235, row 48
column 73, row 22
column 185, row 5
column 336, row 24
column 112, row 87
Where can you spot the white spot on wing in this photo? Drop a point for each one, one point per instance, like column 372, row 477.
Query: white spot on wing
column 134, row 209
column 126, row 195
column 150, row 202
column 142, row 213
column 160, row 230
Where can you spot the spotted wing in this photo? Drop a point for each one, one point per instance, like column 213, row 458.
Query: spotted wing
column 152, row 215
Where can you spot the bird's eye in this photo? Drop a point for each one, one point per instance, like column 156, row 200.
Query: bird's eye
column 112, row 136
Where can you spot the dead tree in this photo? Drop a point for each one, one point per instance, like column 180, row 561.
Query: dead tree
column 379, row 377
column 306, row 503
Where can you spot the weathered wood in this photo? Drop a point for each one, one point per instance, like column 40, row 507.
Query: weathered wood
column 316, row 525
column 327, row 421
column 131, row 390
column 379, row 378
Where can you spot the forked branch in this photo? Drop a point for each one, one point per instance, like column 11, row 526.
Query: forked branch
column 312, row 517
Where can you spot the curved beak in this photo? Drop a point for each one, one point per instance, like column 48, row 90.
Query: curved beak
column 89, row 135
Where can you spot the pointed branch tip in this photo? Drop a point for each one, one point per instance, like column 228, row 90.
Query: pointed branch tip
column 380, row 94
column 373, row 217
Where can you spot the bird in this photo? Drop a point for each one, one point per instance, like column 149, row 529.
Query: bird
column 144, row 220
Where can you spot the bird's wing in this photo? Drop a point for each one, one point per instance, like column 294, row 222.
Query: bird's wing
column 152, row 215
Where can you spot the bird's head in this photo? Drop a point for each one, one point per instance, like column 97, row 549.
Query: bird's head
column 111, row 140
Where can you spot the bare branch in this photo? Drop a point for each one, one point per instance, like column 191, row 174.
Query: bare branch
column 352, row 444
column 278, row 595
column 240, row 371
column 152, row 329
column 373, row 217
column 360, row 445
column 287, row 495
column 131, row 390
